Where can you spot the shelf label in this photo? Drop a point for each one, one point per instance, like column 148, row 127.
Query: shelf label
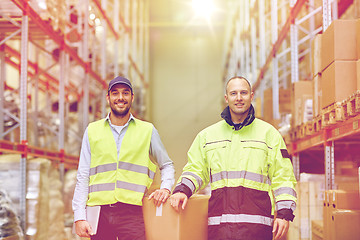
column 355, row 125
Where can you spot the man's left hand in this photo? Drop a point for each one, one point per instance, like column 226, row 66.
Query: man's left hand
column 281, row 227
column 160, row 196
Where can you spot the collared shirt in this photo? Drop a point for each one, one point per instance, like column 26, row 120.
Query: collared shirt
column 157, row 153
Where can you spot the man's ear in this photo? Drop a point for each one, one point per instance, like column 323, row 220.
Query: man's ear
column 226, row 99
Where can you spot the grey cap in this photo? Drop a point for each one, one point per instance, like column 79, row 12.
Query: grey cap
column 120, row 80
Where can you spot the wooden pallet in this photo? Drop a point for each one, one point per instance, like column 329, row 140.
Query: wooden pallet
column 336, row 112
column 333, row 114
column 353, row 105
column 317, row 126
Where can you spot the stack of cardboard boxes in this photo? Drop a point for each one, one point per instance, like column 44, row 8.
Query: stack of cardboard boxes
column 335, row 57
column 341, row 215
column 336, row 64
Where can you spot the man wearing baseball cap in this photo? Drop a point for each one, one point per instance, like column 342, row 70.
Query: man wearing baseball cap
column 115, row 171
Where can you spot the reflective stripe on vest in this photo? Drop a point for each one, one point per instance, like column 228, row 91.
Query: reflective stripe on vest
column 284, row 190
column 124, row 166
column 119, row 184
column 240, row 218
column 197, row 178
column 224, row 175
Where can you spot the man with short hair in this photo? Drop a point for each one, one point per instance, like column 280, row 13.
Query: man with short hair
column 117, row 165
column 246, row 163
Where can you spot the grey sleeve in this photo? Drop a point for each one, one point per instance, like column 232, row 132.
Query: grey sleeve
column 166, row 165
column 82, row 184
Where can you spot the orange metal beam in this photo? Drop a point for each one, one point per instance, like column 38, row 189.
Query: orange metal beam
column 69, row 161
column 57, row 37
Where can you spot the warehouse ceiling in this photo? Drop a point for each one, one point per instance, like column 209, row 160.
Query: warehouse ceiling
column 180, row 13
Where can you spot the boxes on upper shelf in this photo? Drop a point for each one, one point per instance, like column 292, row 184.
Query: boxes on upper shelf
column 338, row 82
column 358, row 37
column 358, row 73
column 301, row 93
column 316, row 55
column 317, row 100
column 339, row 41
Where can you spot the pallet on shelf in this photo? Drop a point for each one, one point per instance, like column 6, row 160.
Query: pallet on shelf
column 317, row 123
column 333, row 114
column 353, row 105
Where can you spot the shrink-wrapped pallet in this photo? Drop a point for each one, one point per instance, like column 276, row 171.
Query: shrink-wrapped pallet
column 9, row 221
column 42, row 204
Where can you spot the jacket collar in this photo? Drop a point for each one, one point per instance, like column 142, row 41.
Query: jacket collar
column 248, row 120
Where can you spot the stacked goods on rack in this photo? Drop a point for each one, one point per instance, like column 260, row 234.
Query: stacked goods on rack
column 335, row 58
column 318, row 210
column 341, row 214
column 43, row 195
column 10, row 223
column 310, row 191
column 284, row 105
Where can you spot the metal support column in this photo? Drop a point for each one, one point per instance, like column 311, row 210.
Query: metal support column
column 116, row 43
column 103, row 59
column 86, row 60
column 262, row 49
column 134, row 24
column 23, row 114
column 326, row 14
column 2, row 91
column 294, row 49
column 296, row 166
column 127, row 37
column 61, row 133
column 35, row 114
column 246, row 40
column 253, row 51
column 275, row 72
column 329, row 166
column 146, row 55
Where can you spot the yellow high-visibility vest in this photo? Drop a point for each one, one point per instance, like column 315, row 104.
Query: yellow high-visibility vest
column 119, row 179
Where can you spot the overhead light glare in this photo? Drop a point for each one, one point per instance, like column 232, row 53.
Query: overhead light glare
column 203, row 8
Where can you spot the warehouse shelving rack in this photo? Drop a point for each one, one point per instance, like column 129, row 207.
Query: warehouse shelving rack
column 282, row 44
column 67, row 53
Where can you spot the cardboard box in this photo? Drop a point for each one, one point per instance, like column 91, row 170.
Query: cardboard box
column 284, row 102
column 338, row 82
column 340, row 199
column 300, row 92
column 339, row 40
column 358, row 74
column 317, row 100
column 358, row 38
column 316, row 55
column 165, row 223
column 345, row 224
column 326, row 215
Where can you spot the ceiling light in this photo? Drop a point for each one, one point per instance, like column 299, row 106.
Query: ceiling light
column 203, row 8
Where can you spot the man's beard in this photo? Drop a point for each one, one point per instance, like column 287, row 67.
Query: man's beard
column 120, row 113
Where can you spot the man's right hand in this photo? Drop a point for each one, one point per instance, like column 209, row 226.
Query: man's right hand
column 176, row 199
column 83, row 229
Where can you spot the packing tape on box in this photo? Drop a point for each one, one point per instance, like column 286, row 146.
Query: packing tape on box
column 159, row 211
